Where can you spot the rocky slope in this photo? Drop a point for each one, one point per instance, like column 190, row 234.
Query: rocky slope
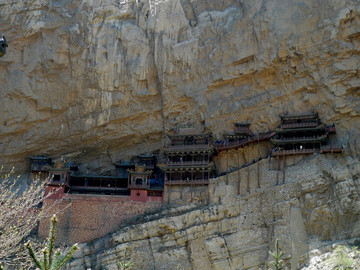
column 313, row 208
column 100, row 80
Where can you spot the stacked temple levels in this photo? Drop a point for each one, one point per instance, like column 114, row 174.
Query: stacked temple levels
column 301, row 134
column 142, row 187
column 188, row 158
column 40, row 166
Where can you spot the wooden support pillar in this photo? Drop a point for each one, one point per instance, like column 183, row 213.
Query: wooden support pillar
column 258, row 165
column 239, row 182
column 248, row 179
column 227, row 167
column 181, row 185
column 168, row 196
column 191, row 187
column 277, row 172
column 208, row 194
column 248, row 168
column 203, row 183
column 284, row 167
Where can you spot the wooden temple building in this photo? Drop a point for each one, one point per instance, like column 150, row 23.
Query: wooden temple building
column 59, row 178
column 303, row 134
column 40, row 166
column 188, row 158
column 135, row 178
column 103, row 202
column 142, row 187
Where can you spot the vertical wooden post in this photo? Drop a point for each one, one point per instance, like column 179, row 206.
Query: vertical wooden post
column 284, row 167
column 227, row 167
column 169, row 196
column 248, row 168
column 208, row 193
column 203, row 183
column 191, row 186
column 278, row 169
column 181, row 186
column 239, row 181
column 332, row 155
column 258, row 167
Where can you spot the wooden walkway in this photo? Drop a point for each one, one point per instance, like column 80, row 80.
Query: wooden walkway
column 253, row 139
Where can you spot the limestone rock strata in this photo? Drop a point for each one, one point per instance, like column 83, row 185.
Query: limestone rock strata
column 100, row 80
column 315, row 206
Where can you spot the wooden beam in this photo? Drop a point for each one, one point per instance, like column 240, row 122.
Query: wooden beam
column 227, row 167
column 239, row 180
column 278, row 169
column 258, row 165
column 284, row 169
column 248, row 169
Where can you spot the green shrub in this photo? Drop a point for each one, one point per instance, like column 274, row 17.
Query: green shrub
column 341, row 259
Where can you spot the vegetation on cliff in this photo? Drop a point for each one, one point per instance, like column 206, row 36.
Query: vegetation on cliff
column 50, row 260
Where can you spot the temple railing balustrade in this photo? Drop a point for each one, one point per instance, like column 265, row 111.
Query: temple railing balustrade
column 299, row 125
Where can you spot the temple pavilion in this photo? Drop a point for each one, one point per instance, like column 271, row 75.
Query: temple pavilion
column 188, row 158
column 40, row 166
column 302, row 134
column 241, row 133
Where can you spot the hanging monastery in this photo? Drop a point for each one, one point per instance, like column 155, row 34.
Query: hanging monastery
column 90, row 206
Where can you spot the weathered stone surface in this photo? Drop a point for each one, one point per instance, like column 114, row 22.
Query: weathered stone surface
column 96, row 81
column 100, row 80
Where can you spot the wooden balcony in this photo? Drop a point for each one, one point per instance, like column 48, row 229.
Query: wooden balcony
column 187, row 182
column 331, row 149
column 294, row 152
column 304, row 139
column 299, row 125
column 188, row 147
column 96, row 188
column 186, row 163
column 240, row 143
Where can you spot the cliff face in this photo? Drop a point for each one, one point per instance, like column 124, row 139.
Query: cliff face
column 314, row 207
column 100, row 80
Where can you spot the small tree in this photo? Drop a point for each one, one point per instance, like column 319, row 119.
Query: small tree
column 277, row 255
column 49, row 259
column 19, row 213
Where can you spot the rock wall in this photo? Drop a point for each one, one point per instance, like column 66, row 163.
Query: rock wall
column 85, row 217
column 318, row 203
column 96, row 81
